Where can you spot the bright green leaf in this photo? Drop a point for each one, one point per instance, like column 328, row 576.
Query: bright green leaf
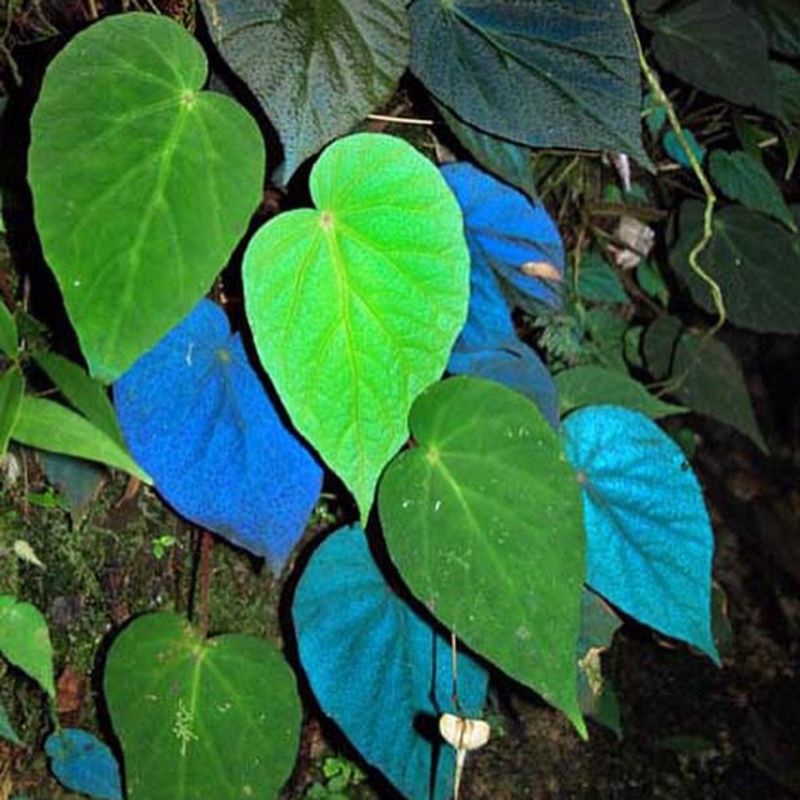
column 48, row 425
column 710, row 379
column 199, row 719
column 12, row 386
column 541, row 74
column 483, row 520
column 9, row 338
column 82, row 392
column 594, row 386
column 755, row 262
column 355, row 305
column 318, row 67
column 142, row 183
column 25, row 641
column 715, row 46
column 744, row 179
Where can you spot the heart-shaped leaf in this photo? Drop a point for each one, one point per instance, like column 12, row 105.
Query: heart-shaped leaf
column 707, row 377
column 83, row 764
column 649, row 538
column 25, row 641
column 509, row 234
column 317, row 68
column 142, row 183
column 399, row 669
column 483, row 520
column 200, row 719
column 540, row 74
column 195, row 412
column 355, row 305
column 754, row 260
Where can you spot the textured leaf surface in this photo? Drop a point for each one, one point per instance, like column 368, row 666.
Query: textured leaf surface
column 399, row 670
column 592, row 385
column 82, row 392
column 83, row 764
column 499, row 65
column 483, row 520
column 12, row 385
column 196, row 415
column 715, row 46
column 508, row 234
column 317, row 68
column 649, row 538
column 355, row 305
column 744, row 179
column 25, row 641
column 514, row 365
column 710, row 378
column 509, row 161
column 50, row 426
column 142, row 183
column 755, row 261
column 199, row 719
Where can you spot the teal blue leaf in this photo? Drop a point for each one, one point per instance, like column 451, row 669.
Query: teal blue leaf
column 378, row 668
column 674, row 149
column 195, row 412
column 649, row 538
column 76, row 479
column 84, row 764
column 541, row 74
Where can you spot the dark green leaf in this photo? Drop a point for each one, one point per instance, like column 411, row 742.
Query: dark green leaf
column 711, row 381
column 541, row 74
column 593, row 386
column 7, row 731
column 77, row 480
column 83, row 393
column 200, row 719
column 318, row 68
column 788, row 81
column 715, row 46
column 50, row 426
column 9, row 338
column 483, row 520
column 755, row 261
column 781, row 21
column 142, row 183
column 651, row 281
column 607, row 338
column 25, row 641
column 598, row 281
column 12, row 386
column 744, row 179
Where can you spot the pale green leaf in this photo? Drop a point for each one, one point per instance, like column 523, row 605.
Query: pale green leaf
column 355, row 305
column 317, row 67
column 142, row 184
column 200, row 719
column 743, row 178
column 48, row 425
column 25, row 641
column 483, row 520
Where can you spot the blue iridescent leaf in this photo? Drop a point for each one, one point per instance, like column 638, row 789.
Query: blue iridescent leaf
column 195, row 412
column 649, row 538
column 378, row 669
column 508, row 233
column 514, row 365
column 83, row 764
